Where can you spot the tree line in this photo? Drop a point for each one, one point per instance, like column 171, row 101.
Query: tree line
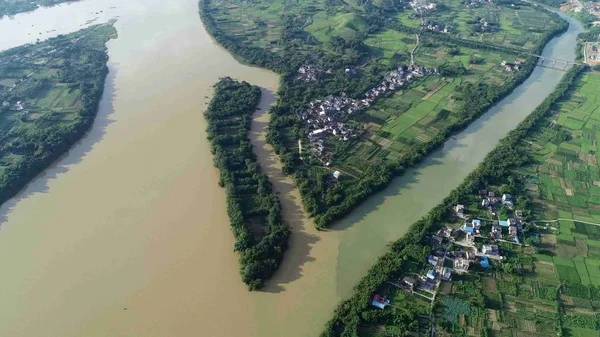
column 254, row 211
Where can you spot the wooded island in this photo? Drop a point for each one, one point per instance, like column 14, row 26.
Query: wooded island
column 261, row 236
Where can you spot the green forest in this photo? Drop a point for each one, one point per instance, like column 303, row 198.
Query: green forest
column 254, row 211
column 49, row 96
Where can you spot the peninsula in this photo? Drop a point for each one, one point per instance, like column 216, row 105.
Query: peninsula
column 49, row 96
column 254, row 212
column 368, row 89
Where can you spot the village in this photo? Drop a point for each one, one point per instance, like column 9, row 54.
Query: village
column 422, row 6
column 325, row 116
column 456, row 250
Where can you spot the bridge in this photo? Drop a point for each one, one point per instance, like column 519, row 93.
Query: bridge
column 554, row 61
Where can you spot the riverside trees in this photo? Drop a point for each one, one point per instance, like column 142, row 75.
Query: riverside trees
column 254, row 212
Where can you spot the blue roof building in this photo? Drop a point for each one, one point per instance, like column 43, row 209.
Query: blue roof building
column 379, row 302
column 431, row 274
column 485, row 263
column 503, row 223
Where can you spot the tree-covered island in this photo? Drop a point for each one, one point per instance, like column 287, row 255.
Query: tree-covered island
column 254, row 211
column 369, row 88
column 49, row 96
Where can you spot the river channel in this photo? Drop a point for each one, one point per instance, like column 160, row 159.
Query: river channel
column 127, row 234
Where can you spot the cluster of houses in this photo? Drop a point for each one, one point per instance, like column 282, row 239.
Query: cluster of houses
column 324, row 116
column 436, row 27
column 445, row 261
column 478, row 3
column 309, row 73
column 492, row 202
column 483, row 26
column 422, row 6
column 514, row 66
column 19, row 106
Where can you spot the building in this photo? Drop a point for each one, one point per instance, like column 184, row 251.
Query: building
column 496, row 232
column 410, row 282
column 512, row 231
column 337, row 174
column 432, row 274
column 461, row 265
column 484, row 262
column 379, row 301
column 446, row 273
column 459, row 210
column 433, row 260
column 472, row 227
column 490, row 249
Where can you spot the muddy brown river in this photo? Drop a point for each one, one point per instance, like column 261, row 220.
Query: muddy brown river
column 127, row 234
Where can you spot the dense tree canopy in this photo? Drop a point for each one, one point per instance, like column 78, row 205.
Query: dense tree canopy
column 261, row 236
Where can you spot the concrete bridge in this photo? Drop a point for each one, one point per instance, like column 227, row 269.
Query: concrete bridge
column 551, row 62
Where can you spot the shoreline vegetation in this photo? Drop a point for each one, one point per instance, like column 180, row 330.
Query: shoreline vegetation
column 12, row 7
column 254, row 211
column 410, row 252
column 49, row 97
column 295, row 44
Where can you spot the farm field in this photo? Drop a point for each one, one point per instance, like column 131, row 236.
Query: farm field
column 48, row 87
column 503, row 24
column 559, row 277
column 395, row 124
column 544, row 278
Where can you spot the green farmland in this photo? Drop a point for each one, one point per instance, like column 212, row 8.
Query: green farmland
column 394, row 125
column 505, row 24
column 558, row 281
column 49, row 95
